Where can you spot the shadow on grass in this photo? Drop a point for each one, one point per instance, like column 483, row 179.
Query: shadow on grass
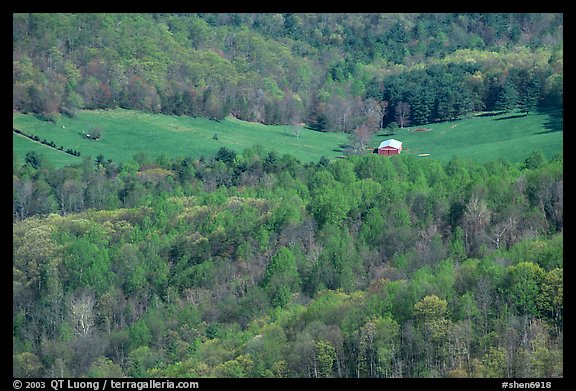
column 386, row 134
column 511, row 117
column 45, row 118
column 315, row 130
column 342, row 148
column 554, row 123
column 289, row 134
column 491, row 114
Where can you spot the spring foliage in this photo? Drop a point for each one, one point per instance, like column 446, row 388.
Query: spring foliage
column 261, row 266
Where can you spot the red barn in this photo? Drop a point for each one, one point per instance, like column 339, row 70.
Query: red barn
column 390, row 147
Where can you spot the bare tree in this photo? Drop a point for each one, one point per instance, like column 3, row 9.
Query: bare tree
column 23, row 198
column 296, row 130
column 82, row 314
column 71, row 196
column 505, row 232
column 371, row 111
column 402, row 110
column 343, row 114
column 360, row 138
column 476, row 218
column 484, row 296
column 338, row 113
column 367, row 352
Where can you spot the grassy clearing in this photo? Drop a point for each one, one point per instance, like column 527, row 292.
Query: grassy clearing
column 126, row 132
column 22, row 145
column 484, row 137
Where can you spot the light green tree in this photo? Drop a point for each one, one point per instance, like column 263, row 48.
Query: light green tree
column 281, row 277
column 325, row 358
column 104, row 367
column 524, row 282
column 551, row 299
column 431, row 314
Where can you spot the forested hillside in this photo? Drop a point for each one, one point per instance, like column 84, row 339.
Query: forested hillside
column 256, row 265
column 331, row 71
column 250, row 261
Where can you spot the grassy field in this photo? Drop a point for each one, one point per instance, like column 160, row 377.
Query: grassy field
column 484, row 137
column 125, row 133
column 22, row 145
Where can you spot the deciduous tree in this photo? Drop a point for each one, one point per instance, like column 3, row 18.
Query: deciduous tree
column 402, row 114
column 281, row 278
column 82, row 314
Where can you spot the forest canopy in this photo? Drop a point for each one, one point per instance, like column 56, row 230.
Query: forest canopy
column 261, row 266
column 330, row 71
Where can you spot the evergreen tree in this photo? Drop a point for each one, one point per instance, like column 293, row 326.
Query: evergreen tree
column 507, row 97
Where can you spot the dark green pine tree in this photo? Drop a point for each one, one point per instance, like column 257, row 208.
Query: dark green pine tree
column 507, row 97
column 422, row 106
column 530, row 94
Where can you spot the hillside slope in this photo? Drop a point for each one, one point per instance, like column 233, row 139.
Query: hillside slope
column 327, row 70
column 363, row 267
column 510, row 136
column 485, row 137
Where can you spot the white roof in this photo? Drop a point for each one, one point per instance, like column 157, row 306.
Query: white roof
column 390, row 143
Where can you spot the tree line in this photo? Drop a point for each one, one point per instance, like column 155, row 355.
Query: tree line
column 256, row 265
column 331, row 71
column 34, row 157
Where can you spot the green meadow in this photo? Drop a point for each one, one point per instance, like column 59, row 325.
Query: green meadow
column 485, row 136
column 482, row 137
column 22, row 145
column 126, row 133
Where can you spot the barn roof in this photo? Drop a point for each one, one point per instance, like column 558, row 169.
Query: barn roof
column 390, row 143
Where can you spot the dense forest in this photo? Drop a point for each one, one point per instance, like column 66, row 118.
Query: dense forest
column 255, row 265
column 331, row 71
